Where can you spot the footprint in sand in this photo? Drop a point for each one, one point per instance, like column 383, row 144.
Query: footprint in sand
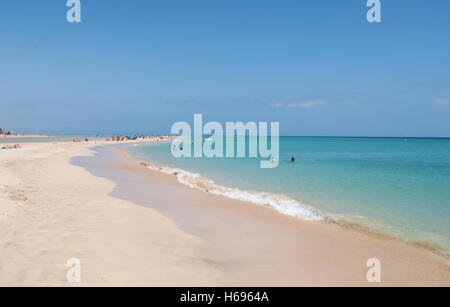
column 18, row 195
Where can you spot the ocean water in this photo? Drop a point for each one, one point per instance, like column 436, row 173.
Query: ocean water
column 387, row 185
column 55, row 138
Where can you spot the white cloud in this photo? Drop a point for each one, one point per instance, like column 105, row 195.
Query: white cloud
column 441, row 101
column 302, row 104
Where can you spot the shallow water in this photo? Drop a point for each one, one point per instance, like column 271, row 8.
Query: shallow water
column 390, row 185
column 40, row 139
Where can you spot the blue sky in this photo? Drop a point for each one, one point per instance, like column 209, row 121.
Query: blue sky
column 318, row 67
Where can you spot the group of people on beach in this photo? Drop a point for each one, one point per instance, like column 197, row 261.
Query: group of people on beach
column 124, row 138
column 134, row 138
column 5, row 133
column 77, row 140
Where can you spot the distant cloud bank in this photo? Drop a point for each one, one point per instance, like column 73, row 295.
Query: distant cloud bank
column 441, row 101
column 301, row 104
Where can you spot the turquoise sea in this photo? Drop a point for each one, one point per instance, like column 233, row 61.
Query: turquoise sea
column 53, row 138
column 390, row 185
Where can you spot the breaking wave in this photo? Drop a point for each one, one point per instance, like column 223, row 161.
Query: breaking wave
column 281, row 203
column 289, row 206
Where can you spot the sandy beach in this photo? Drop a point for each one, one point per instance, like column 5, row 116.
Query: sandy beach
column 51, row 211
column 129, row 225
column 4, row 136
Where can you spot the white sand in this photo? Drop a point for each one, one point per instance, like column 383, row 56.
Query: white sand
column 51, row 211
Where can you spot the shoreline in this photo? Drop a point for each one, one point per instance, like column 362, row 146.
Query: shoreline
column 213, row 209
column 307, row 212
column 129, row 225
column 25, row 136
column 310, row 213
column 52, row 211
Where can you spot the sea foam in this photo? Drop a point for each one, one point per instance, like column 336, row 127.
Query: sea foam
column 281, row 203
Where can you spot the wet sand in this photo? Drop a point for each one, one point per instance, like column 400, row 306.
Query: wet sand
column 256, row 245
column 132, row 226
column 52, row 211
